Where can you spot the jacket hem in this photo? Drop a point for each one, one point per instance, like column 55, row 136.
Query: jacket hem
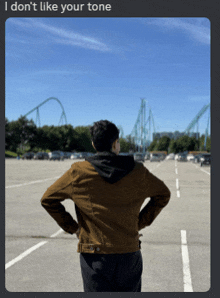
column 107, row 249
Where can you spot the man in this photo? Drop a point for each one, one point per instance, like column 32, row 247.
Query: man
column 108, row 191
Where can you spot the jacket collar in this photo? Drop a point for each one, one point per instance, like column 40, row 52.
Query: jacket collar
column 112, row 167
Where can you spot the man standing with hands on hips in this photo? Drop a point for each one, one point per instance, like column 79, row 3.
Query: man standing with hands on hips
column 108, row 191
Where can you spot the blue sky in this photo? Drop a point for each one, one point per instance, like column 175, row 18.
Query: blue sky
column 100, row 68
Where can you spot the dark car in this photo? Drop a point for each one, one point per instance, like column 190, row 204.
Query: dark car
column 205, row 159
column 139, row 157
column 197, row 158
column 155, row 157
column 56, row 155
column 41, row 155
column 182, row 157
column 28, row 155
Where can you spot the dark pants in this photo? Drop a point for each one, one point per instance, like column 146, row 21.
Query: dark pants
column 111, row 272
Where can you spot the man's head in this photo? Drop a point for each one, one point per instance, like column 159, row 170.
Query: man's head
column 105, row 136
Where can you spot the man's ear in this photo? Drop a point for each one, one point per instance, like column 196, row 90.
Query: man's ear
column 93, row 145
column 114, row 145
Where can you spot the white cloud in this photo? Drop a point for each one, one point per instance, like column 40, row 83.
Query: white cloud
column 197, row 98
column 196, row 28
column 61, row 35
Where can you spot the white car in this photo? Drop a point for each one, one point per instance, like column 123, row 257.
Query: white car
column 171, row 156
column 190, row 157
column 75, row 156
column 56, row 155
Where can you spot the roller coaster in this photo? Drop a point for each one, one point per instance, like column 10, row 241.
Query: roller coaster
column 62, row 120
column 195, row 123
column 144, row 127
column 141, row 133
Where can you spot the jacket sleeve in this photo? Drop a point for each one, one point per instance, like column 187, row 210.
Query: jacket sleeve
column 159, row 197
column 52, row 199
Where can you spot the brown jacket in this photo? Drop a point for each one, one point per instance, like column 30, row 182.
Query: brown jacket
column 108, row 214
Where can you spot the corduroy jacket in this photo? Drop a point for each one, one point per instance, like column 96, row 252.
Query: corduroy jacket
column 108, row 214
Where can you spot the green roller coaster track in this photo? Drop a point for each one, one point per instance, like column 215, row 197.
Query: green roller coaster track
column 195, row 122
column 63, row 114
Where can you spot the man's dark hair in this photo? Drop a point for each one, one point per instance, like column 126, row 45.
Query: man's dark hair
column 103, row 134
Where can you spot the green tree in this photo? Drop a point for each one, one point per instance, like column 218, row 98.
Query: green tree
column 153, row 145
column 163, row 144
column 172, row 147
column 124, row 145
column 208, row 144
column 20, row 134
column 84, row 142
column 185, row 143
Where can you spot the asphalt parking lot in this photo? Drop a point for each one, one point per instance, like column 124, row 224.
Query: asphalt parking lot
column 40, row 257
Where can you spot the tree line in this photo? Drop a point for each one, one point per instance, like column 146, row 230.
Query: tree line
column 182, row 144
column 23, row 135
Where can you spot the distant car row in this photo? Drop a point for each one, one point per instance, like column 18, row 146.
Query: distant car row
column 55, row 155
column 149, row 156
column 202, row 158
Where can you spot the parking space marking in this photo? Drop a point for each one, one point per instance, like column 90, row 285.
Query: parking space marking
column 30, row 250
column 177, row 184
column 187, row 280
column 177, row 181
column 31, row 182
column 202, row 170
column 205, row 172
column 177, row 187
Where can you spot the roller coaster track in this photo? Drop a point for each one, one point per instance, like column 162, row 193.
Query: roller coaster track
column 196, row 119
column 141, row 132
column 63, row 114
column 195, row 122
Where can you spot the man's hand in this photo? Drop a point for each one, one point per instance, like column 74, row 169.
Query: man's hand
column 139, row 235
column 77, row 233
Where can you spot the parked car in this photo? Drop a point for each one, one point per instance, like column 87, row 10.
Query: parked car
column 182, row 157
column 75, row 156
column 171, row 156
column 147, row 156
column 56, row 155
column 41, row 155
column 139, row 157
column 205, row 159
column 155, row 157
column 28, row 155
column 67, row 155
column 162, row 156
column 190, row 157
column 197, row 158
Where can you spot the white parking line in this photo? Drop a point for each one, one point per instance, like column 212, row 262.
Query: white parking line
column 31, row 182
column 187, row 281
column 202, row 170
column 30, row 250
column 177, row 184
column 205, row 172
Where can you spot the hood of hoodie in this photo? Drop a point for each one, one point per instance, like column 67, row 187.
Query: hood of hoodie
column 112, row 167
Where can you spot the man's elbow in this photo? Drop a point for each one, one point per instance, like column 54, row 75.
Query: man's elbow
column 167, row 197
column 44, row 200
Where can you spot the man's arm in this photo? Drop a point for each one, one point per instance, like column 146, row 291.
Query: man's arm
column 160, row 196
column 52, row 199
